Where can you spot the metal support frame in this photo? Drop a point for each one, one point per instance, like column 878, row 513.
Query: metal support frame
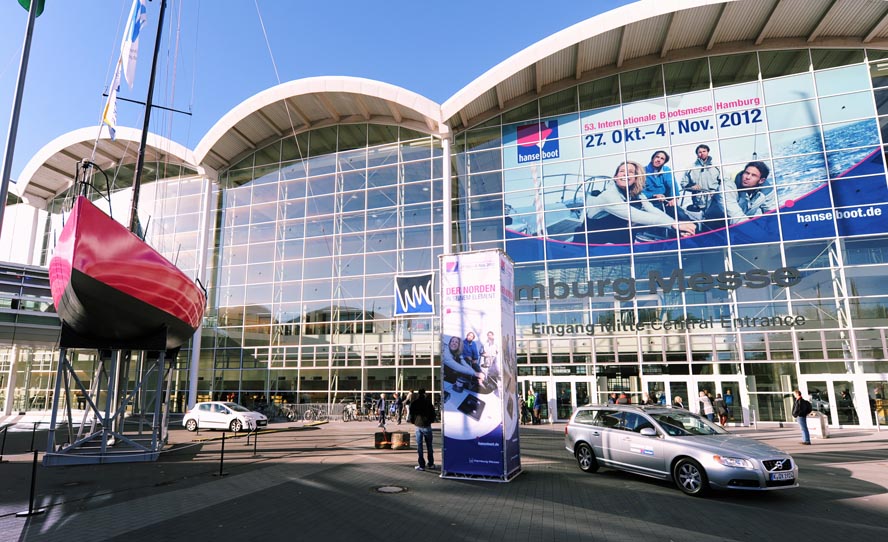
column 125, row 410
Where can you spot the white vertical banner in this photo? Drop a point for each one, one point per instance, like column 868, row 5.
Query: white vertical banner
column 479, row 403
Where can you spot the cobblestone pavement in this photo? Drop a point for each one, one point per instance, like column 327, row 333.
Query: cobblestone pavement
column 324, row 481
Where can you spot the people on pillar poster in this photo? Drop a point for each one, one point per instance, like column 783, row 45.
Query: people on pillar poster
column 477, row 368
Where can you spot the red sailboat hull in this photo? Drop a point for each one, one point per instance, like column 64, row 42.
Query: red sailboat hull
column 112, row 288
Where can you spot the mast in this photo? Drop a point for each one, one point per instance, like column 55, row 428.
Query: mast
column 6, row 173
column 137, row 178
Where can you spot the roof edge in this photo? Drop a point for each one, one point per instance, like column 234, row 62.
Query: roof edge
column 599, row 24
column 316, row 85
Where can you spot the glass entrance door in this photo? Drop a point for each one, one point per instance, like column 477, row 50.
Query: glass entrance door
column 666, row 390
column 858, row 401
column 569, row 394
column 542, row 401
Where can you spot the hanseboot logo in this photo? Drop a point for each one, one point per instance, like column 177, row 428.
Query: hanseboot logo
column 538, row 141
column 413, row 295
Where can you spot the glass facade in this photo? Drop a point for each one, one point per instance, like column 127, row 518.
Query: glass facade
column 716, row 223
column 621, row 291
column 312, row 232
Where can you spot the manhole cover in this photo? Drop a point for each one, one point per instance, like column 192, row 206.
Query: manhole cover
column 391, row 489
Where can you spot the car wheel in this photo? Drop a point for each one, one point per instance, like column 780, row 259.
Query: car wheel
column 586, row 458
column 236, row 426
column 690, row 477
column 191, row 425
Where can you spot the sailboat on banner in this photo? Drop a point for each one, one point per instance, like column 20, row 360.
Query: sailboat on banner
column 110, row 288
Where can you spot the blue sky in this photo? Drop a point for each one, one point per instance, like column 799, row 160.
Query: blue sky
column 433, row 49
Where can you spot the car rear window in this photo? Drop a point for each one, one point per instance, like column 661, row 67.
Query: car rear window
column 586, row 417
column 608, row 418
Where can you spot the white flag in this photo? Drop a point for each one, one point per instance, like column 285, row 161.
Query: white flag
column 109, row 115
column 129, row 48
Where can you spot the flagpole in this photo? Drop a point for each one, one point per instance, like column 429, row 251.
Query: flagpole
column 137, row 179
column 6, row 174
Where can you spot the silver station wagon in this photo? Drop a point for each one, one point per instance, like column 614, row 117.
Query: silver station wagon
column 674, row 444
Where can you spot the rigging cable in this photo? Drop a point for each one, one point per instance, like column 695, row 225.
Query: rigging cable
column 193, row 70
column 278, row 77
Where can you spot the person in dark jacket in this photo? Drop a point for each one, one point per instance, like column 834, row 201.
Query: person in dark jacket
column 470, row 352
column 422, row 415
column 800, row 410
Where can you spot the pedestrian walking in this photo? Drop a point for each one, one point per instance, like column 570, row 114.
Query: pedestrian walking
column 399, row 406
column 380, row 409
column 706, row 406
column 525, row 412
column 537, row 408
column 721, row 409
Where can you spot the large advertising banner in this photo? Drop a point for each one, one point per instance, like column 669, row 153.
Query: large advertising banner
column 742, row 164
column 479, row 402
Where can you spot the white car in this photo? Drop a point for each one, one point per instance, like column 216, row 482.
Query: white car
column 223, row 415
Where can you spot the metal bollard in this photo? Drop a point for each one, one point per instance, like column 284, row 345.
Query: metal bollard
column 222, row 458
column 31, row 511
column 33, row 432
column 3, row 444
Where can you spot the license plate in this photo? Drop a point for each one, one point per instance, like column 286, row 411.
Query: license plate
column 781, row 476
column 262, row 422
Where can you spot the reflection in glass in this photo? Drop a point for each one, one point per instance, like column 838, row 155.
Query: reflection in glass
column 686, row 76
column 731, row 69
column 559, row 103
column 777, row 63
column 831, row 58
column 599, row 93
column 641, row 84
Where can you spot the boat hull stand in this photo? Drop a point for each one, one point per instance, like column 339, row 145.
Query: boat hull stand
column 121, row 414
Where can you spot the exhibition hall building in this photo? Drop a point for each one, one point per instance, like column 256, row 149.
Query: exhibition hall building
column 693, row 195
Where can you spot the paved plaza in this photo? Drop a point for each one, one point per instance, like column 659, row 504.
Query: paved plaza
column 328, row 482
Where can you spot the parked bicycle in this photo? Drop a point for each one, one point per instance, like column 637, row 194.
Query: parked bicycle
column 315, row 413
column 350, row 412
column 291, row 412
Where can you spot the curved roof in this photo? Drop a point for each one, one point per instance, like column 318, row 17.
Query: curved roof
column 304, row 104
column 51, row 171
column 654, row 31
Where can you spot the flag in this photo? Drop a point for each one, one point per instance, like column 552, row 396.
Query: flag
column 109, row 115
column 129, row 48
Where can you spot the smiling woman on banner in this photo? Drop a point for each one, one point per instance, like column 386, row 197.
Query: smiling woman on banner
column 610, row 212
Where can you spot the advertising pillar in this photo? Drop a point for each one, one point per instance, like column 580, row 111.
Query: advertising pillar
column 479, row 401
